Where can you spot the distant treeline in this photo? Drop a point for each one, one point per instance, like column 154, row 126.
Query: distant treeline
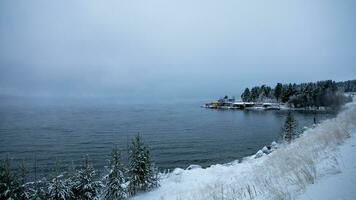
column 322, row 93
column 347, row 86
column 120, row 182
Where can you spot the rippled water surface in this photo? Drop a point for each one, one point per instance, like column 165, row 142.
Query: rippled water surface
column 179, row 133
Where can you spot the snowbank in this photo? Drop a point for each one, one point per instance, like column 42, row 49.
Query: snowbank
column 337, row 186
column 282, row 174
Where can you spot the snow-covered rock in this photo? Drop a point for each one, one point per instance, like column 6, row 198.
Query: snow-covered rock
column 178, row 171
column 259, row 154
column 274, row 145
column 265, row 150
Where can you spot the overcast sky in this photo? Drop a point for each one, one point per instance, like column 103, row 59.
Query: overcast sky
column 174, row 49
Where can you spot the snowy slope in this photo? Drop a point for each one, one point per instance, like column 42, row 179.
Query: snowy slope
column 341, row 185
column 283, row 174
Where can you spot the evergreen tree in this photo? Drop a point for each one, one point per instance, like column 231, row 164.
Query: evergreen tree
column 153, row 179
column 6, row 179
column 289, row 128
column 116, row 179
column 255, row 93
column 278, row 90
column 267, row 92
column 10, row 187
column 22, row 173
column 84, row 185
column 22, row 190
column 287, row 92
column 246, row 96
column 57, row 188
column 37, row 190
column 142, row 176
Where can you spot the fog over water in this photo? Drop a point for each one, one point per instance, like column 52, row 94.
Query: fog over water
column 151, row 50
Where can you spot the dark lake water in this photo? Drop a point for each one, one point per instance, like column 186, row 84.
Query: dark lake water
column 179, row 133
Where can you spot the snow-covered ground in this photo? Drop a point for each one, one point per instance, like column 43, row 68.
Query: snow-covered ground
column 341, row 185
column 321, row 158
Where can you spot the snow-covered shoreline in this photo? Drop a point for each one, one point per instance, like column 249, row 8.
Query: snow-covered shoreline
column 283, row 174
column 270, row 106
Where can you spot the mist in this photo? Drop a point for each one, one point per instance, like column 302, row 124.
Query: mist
column 171, row 49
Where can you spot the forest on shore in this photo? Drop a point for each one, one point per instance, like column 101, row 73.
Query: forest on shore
column 326, row 93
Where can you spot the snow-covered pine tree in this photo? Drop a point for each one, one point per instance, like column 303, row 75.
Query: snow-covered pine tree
column 141, row 173
column 10, row 187
column 22, row 190
column 6, row 179
column 246, row 95
column 289, row 128
column 84, row 185
column 278, row 91
column 71, row 180
column 115, row 179
column 37, row 190
column 57, row 188
column 153, row 177
column 23, row 173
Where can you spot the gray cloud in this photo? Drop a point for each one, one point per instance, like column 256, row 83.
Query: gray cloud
column 175, row 49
